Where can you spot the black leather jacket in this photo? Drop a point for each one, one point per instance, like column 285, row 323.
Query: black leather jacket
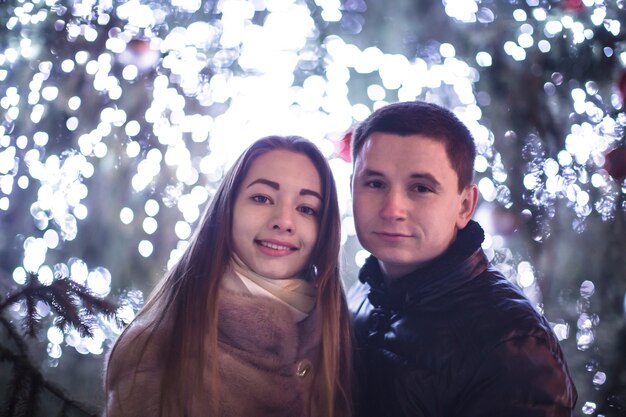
column 454, row 338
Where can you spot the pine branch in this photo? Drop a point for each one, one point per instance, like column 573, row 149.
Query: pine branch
column 24, row 371
column 23, row 401
column 74, row 304
column 32, row 398
column 83, row 307
column 13, row 298
column 64, row 410
column 14, row 335
column 17, row 385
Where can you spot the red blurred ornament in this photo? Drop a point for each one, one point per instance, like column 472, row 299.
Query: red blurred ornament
column 573, row 5
column 139, row 46
column 621, row 86
column 505, row 221
column 342, row 147
column 139, row 52
column 615, row 163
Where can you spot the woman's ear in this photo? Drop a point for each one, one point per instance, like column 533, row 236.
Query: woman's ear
column 467, row 205
column 311, row 273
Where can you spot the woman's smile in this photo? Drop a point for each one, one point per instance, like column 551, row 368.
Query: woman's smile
column 272, row 247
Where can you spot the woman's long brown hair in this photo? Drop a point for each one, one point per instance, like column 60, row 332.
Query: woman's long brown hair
column 186, row 299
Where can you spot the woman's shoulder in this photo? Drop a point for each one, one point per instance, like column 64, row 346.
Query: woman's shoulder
column 132, row 372
column 137, row 348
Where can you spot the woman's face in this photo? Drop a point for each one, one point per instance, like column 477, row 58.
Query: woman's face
column 276, row 214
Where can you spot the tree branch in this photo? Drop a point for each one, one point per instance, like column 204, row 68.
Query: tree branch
column 23, row 362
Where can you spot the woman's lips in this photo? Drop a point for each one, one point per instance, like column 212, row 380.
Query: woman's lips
column 275, row 248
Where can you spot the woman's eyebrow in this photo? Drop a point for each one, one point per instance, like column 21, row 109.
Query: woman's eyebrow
column 267, row 182
column 306, row 191
column 276, row 186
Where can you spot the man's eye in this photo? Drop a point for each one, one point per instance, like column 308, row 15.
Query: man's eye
column 307, row 210
column 260, row 199
column 374, row 184
column 422, row 189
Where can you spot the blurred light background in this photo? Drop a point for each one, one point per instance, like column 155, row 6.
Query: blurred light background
column 119, row 118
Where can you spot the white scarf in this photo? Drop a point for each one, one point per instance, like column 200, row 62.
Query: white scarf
column 296, row 293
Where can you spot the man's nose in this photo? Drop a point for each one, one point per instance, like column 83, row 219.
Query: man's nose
column 394, row 206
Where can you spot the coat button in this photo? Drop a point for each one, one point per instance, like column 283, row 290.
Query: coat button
column 304, row 368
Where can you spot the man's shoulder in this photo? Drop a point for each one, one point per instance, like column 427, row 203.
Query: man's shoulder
column 502, row 309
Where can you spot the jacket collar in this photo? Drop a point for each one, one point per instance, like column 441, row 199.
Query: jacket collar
column 461, row 262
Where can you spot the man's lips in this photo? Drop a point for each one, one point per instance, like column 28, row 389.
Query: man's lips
column 392, row 236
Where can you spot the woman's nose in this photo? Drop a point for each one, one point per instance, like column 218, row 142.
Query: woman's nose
column 282, row 219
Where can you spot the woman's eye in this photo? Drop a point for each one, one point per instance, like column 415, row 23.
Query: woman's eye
column 260, row 199
column 307, row 210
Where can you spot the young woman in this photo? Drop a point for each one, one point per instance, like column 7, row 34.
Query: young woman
column 252, row 321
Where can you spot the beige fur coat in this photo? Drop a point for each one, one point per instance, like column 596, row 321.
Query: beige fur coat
column 267, row 363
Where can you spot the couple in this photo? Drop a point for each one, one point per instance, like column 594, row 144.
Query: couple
column 253, row 322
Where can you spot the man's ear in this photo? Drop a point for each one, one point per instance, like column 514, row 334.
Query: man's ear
column 467, row 206
column 351, row 192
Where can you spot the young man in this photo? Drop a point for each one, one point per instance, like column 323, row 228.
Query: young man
column 438, row 332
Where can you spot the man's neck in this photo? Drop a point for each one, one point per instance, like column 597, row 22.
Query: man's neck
column 393, row 272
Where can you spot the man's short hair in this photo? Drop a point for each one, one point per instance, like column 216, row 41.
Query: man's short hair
column 425, row 119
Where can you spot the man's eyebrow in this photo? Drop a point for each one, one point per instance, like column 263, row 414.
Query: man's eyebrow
column 276, row 186
column 426, row 176
column 267, row 182
column 416, row 175
column 372, row 173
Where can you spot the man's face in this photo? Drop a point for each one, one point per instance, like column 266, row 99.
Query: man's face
column 407, row 204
